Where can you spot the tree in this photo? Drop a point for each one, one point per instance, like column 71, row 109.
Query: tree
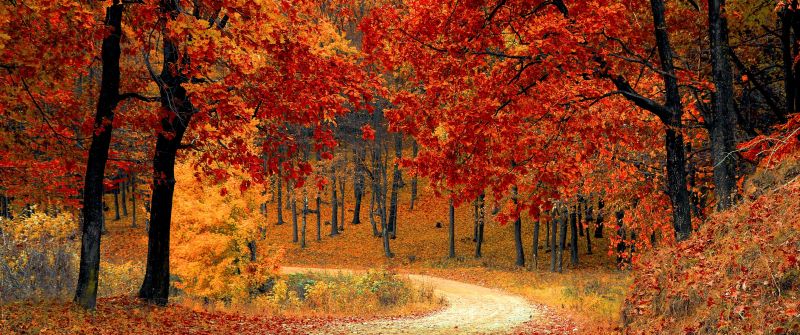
column 86, row 292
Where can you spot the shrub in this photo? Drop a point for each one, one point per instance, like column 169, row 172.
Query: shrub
column 38, row 256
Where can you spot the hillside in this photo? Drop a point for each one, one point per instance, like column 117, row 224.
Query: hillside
column 738, row 274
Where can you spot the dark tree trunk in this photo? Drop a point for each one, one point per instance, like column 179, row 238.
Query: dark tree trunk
column 116, row 205
column 280, row 198
column 451, row 233
column 573, row 247
column 124, row 195
column 676, row 158
column 578, row 216
column 305, row 214
column 475, row 220
column 481, row 218
column 414, row 152
column 293, row 204
column 397, row 181
column 562, row 238
column 547, row 228
column 520, row 260
column 535, row 246
column 251, row 247
column 358, row 182
column 554, row 220
column 588, row 237
column 341, row 204
column 155, row 288
column 86, row 291
column 598, row 231
column 133, row 200
column 723, row 121
column 787, row 16
column 373, row 211
column 334, row 204
column 319, row 218
column 670, row 114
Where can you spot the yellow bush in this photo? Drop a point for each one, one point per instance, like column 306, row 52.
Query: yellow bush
column 38, row 255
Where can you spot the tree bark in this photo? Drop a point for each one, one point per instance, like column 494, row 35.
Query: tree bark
column 396, row 183
column 481, row 217
column 358, row 182
column 573, row 247
column 451, row 233
column 334, row 204
column 124, row 195
column 520, row 260
column 414, row 152
column 598, row 231
column 280, row 198
column 293, row 204
column 88, row 273
column 341, row 203
column 116, row 204
column 319, row 218
column 676, row 158
column 174, row 98
column 562, row 237
column 554, row 220
column 723, row 122
column 535, row 246
column 305, row 214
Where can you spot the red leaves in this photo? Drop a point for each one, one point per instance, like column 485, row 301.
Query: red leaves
column 367, row 133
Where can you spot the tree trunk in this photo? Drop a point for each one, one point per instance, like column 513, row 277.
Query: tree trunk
column 451, row 233
column 396, row 183
column 124, row 203
column 358, row 182
column 573, row 247
column 555, row 219
column 562, row 238
column 676, row 158
column 116, row 204
column 475, row 220
column 578, row 216
column 319, row 218
column 251, row 247
column 787, row 16
column 155, row 288
column 520, row 260
column 372, row 211
column 86, row 291
column 723, row 121
column 341, row 203
column 414, row 152
column 293, row 204
column 481, row 217
column 598, row 231
column 535, row 246
column 133, row 200
column 334, row 204
column 305, row 214
column 280, row 198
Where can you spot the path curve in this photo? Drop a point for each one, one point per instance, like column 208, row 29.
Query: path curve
column 471, row 309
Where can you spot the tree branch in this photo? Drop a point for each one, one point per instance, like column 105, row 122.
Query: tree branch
column 133, row 95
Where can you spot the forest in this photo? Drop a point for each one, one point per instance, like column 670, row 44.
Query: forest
column 399, row 167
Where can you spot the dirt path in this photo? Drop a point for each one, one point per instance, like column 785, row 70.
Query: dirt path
column 471, row 309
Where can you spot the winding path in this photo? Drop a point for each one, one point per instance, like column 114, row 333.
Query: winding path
column 471, row 309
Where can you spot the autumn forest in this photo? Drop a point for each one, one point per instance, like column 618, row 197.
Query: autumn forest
column 399, row 167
